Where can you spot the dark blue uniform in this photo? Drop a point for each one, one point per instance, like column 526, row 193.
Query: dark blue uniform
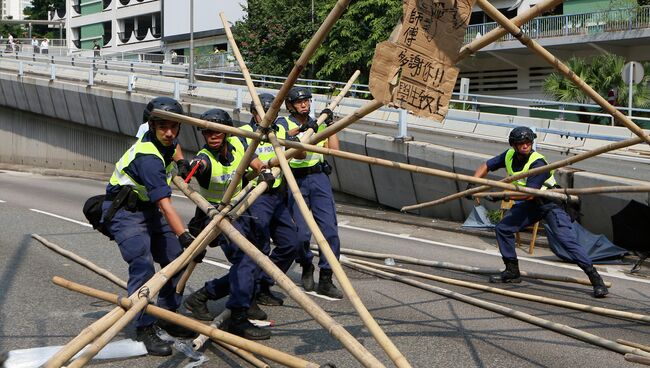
column 526, row 213
column 142, row 233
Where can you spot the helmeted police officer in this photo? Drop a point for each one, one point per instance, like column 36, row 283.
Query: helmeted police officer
column 528, row 210
column 139, row 215
column 311, row 172
column 273, row 219
column 218, row 161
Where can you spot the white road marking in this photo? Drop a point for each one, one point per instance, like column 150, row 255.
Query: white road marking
column 1, row 201
column 179, row 196
column 61, row 217
column 313, row 293
column 495, row 252
column 218, row 264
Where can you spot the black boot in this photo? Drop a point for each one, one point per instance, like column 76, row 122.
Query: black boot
column 307, row 277
column 255, row 312
column 600, row 290
column 153, row 343
column 326, row 286
column 240, row 326
column 197, row 303
column 266, row 297
column 510, row 274
column 176, row 330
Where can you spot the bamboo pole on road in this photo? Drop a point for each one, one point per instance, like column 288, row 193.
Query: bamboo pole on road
column 214, row 333
column 535, row 298
column 580, row 191
column 463, row 268
column 509, row 312
column 294, row 292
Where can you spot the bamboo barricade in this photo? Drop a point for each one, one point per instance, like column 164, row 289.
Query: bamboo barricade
column 499, row 32
column 214, row 333
column 553, row 326
column 539, row 170
column 463, row 268
column 360, row 158
column 637, row 359
column 216, row 323
column 101, row 330
column 518, row 33
column 535, row 298
column 313, row 309
column 82, row 261
column 300, row 64
column 580, row 191
column 382, row 339
column 252, row 359
column 634, row 344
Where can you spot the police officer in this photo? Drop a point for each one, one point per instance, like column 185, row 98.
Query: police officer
column 139, row 215
column 528, row 210
column 182, row 164
column 311, row 172
column 218, row 161
column 272, row 218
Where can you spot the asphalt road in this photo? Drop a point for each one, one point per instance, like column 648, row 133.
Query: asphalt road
column 431, row 330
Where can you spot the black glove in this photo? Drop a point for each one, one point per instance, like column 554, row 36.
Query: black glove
column 330, row 116
column 197, row 161
column 293, row 138
column 267, row 176
column 185, row 239
column 310, row 124
column 199, row 258
column 470, row 186
column 183, row 168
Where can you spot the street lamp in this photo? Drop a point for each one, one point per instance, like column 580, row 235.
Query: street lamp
column 191, row 71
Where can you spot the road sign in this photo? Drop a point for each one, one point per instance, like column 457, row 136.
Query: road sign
column 636, row 70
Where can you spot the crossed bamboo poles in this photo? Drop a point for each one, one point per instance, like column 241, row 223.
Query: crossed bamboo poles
column 103, row 330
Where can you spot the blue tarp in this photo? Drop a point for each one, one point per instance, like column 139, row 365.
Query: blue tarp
column 598, row 247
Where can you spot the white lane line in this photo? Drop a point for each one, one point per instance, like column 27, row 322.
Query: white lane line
column 613, row 273
column 1, row 201
column 179, row 196
column 62, row 218
column 218, row 264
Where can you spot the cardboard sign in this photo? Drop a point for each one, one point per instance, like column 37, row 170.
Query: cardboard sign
column 414, row 70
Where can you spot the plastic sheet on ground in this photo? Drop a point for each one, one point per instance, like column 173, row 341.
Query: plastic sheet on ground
column 599, row 249
column 478, row 219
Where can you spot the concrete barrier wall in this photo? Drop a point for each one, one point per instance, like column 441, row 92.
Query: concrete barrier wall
column 354, row 177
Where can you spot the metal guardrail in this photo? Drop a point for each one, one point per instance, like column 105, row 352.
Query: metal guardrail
column 573, row 24
column 50, row 65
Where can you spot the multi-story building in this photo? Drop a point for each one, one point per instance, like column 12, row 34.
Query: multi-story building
column 147, row 26
column 12, row 9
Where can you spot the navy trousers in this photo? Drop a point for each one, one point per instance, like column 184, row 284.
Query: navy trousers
column 144, row 237
column 273, row 220
column 526, row 213
column 316, row 189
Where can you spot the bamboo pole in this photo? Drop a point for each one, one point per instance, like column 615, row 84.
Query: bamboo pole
column 313, row 309
column 637, row 359
column 553, row 326
column 198, row 342
column 499, row 32
column 100, row 330
column 373, row 327
column 634, row 345
column 82, row 261
column 252, row 359
column 546, row 168
column 463, row 268
column 518, row 33
column 368, row 320
column 300, row 64
column 535, row 298
column 214, row 333
column 580, row 191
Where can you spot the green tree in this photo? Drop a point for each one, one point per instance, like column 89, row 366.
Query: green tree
column 273, row 34
column 39, row 11
column 602, row 73
column 351, row 43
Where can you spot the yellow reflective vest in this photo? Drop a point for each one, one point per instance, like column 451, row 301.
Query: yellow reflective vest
column 510, row 154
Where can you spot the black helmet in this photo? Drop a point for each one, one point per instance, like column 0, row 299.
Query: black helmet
column 217, row 116
column 521, row 134
column 161, row 103
column 297, row 93
column 266, row 99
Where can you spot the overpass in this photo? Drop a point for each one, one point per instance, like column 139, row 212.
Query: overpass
column 81, row 114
